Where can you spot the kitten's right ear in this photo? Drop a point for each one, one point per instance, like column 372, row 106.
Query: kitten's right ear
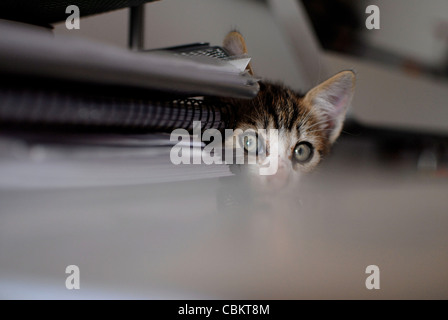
column 236, row 46
column 331, row 99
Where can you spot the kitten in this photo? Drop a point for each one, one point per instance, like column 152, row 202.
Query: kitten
column 307, row 124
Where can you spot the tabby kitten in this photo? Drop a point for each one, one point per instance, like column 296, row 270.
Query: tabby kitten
column 307, row 124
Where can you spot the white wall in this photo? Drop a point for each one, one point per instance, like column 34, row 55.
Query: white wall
column 408, row 27
column 390, row 98
column 176, row 22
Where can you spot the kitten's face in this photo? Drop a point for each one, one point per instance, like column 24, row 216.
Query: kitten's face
column 306, row 125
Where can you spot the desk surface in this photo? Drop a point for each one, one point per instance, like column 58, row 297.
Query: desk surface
column 173, row 241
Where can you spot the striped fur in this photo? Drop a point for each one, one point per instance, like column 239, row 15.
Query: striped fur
column 315, row 117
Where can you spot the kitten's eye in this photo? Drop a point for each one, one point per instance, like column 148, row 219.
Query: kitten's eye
column 303, row 152
column 251, row 143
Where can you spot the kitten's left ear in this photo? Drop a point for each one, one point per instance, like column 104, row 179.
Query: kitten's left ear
column 332, row 99
column 234, row 43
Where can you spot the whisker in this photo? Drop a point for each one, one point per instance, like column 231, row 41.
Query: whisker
column 317, row 123
column 305, row 118
column 320, row 122
column 313, row 131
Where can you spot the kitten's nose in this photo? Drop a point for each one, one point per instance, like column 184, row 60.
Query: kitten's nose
column 281, row 178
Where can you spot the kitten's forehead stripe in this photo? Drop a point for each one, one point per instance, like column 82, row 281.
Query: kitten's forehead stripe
column 266, row 121
column 274, row 115
column 293, row 117
column 279, row 105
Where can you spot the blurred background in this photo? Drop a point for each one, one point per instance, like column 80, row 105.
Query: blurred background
column 379, row 199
